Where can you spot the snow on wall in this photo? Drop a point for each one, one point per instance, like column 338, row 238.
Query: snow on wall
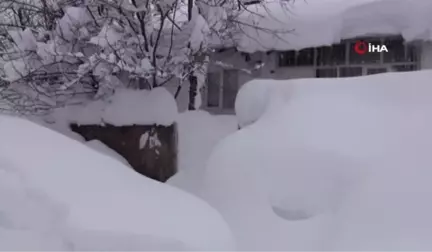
column 125, row 107
column 324, row 22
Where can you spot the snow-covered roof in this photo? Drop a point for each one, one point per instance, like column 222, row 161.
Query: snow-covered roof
column 310, row 23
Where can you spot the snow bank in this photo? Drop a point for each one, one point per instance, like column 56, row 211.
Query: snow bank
column 254, row 97
column 336, row 164
column 125, row 107
column 102, row 148
column 85, row 194
column 198, row 133
column 390, row 211
column 276, row 196
column 324, row 22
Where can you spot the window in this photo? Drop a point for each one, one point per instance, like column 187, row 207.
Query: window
column 376, row 70
column 213, row 94
column 331, row 55
column 411, row 53
column 303, row 57
column 230, row 88
column 404, row 68
column 287, row 58
column 396, row 50
column 326, row 73
column 367, row 58
column 350, row 71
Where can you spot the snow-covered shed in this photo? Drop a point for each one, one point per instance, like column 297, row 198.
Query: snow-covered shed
column 317, row 38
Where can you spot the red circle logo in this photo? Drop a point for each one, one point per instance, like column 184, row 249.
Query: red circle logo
column 360, row 47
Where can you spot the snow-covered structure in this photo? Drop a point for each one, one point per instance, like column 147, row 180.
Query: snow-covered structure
column 316, row 38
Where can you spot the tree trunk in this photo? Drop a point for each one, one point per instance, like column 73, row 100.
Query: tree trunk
column 193, row 89
column 193, row 82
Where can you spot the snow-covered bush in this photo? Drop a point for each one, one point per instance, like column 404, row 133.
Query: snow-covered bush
column 97, row 47
column 78, row 50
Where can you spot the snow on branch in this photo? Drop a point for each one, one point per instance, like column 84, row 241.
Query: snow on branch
column 74, row 51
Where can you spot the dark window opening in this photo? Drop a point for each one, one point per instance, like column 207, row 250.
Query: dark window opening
column 305, row 57
column 331, row 55
column 411, row 53
column 396, row 50
column 287, row 58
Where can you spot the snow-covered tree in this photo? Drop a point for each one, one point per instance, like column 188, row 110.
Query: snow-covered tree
column 77, row 50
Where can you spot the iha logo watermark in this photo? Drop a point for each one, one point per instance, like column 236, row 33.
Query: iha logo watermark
column 362, row 47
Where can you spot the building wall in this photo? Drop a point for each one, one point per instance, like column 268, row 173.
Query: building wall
column 246, row 68
column 271, row 70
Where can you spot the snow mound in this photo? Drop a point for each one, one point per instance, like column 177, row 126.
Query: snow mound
column 332, row 164
column 313, row 23
column 276, row 196
column 254, row 97
column 87, row 194
column 102, row 148
column 125, row 107
column 389, row 211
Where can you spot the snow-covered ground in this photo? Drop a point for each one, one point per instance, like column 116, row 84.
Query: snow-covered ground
column 320, row 164
column 57, row 194
column 331, row 164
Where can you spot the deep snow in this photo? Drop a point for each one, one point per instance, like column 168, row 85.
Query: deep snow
column 59, row 194
column 333, row 164
column 198, row 133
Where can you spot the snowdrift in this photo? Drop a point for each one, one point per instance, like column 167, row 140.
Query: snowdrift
column 58, row 194
column 330, row 164
column 312, row 23
column 389, row 89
